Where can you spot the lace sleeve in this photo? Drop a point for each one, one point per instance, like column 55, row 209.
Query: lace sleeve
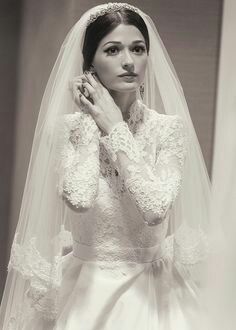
column 153, row 189
column 80, row 161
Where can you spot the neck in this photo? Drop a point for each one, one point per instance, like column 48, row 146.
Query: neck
column 123, row 101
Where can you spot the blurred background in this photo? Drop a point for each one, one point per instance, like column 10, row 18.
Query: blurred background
column 31, row 33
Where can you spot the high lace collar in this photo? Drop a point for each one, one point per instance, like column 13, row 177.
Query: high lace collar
column 134, row 113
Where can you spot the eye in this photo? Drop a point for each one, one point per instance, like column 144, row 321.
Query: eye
column 140, row 49
column 111, row 50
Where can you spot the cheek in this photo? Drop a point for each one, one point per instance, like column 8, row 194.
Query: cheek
column 141, row 68
column 106, row 71
column 143, row 64
column 110, row 79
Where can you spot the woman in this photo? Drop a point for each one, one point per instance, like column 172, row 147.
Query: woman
column 113, row 230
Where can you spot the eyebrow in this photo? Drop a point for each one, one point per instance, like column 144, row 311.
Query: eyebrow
column 118, row 42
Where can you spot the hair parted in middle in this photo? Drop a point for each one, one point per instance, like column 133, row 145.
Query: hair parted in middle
column 105, row 24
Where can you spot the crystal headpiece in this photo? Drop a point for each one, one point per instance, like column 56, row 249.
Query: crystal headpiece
column 110, row 7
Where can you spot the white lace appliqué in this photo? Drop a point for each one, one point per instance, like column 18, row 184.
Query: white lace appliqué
column 119, row 140
column 43, row 277
column 154, row 147
column 154, row 189
column 79, row 170
column 93, row 175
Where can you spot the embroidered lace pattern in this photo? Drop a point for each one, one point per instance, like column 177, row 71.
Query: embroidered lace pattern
column 44, row 278
column 79, row 159
column 153, row 189
column 153, row 149
column 119, row 140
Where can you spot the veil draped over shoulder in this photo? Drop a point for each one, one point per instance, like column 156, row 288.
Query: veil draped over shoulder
column 42, row 233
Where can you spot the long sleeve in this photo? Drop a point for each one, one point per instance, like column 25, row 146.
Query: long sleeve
column 80, row 161
column 153, row 189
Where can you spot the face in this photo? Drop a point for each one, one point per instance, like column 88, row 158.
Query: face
column 121, row 51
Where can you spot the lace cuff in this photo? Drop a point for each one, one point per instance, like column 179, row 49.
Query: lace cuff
column 119, row 139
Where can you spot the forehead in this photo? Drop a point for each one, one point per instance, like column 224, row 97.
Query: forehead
column 123, row 33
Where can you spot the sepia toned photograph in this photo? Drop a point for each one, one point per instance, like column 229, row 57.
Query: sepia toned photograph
column 118, row 157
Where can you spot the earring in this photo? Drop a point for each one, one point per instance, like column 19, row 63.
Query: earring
column 91, row 69
column 141, row 89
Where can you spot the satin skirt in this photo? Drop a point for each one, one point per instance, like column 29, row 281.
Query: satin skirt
column 151, row 295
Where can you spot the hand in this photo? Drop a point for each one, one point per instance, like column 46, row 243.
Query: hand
column 102, row 107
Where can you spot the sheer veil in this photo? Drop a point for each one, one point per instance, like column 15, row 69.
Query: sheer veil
column 43, row 230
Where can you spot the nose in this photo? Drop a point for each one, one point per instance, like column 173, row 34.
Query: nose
column 127, row 61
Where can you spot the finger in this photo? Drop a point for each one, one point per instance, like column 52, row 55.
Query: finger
column 98, row 82
column 78, row 77
column 90, row 88
column 76, row 96
column 79, row 103
column 76, row 89
column 86, row 103
column 89, row 107
column 78, row 86
column 82, row 89
column 91, row 79
column 73, row 81
column 96, row 78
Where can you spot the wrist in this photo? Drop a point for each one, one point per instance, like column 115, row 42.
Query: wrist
column 109, row 131
column 121, row 139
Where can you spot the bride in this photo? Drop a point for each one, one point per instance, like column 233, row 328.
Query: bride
column 114, row 229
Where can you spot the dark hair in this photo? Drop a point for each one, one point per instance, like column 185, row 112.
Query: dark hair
column 106, row 23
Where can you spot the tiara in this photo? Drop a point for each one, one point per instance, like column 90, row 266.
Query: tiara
column 110, row 7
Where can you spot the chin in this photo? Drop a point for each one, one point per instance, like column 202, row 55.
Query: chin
column 125, row 87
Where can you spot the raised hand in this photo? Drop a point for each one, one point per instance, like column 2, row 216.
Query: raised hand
column 97, row 102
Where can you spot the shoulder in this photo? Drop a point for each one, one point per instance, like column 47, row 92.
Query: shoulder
column 168, row 126
column 163, row 120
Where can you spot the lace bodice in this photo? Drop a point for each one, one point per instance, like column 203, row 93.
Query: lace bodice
column 123, row 197
column 120, row 189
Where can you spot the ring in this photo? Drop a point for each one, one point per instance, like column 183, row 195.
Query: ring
column 85, row 91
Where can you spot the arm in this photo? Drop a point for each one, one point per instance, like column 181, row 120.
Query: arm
column 79, row 161
column 153, row 189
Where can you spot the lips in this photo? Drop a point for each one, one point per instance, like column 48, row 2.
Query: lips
column 131, row 74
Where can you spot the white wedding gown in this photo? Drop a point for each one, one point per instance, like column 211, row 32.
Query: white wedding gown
column 121, row 273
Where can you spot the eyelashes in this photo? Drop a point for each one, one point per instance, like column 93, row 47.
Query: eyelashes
column 110, row 52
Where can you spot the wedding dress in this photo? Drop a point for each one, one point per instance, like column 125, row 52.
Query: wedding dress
column 120, row 273
column 114, row 229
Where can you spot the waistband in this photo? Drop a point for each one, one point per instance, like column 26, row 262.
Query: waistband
column 118, row 254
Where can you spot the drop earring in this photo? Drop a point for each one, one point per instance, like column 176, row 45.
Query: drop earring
column 141, row 89
column 91, row 69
